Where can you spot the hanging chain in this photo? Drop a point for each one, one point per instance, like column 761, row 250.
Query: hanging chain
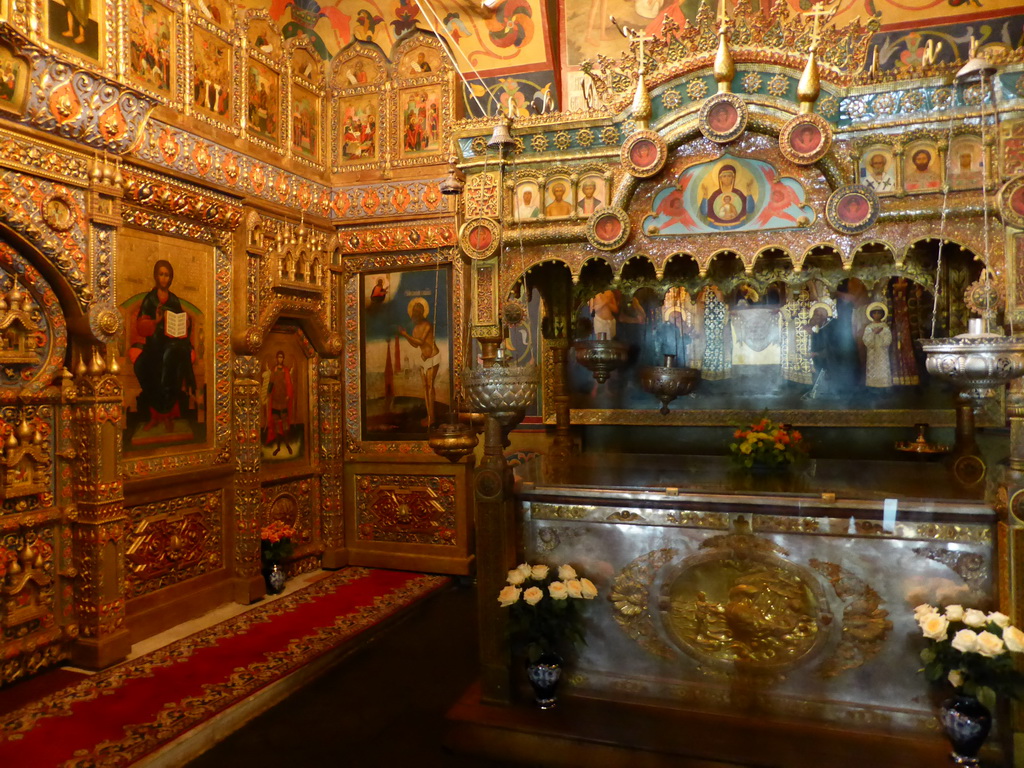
column 942, row 230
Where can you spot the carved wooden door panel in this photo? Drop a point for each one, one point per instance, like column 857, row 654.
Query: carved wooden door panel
column 37, row 614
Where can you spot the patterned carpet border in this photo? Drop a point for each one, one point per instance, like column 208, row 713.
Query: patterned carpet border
column 181, row 715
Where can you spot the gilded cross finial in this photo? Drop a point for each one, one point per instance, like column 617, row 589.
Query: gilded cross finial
column 723, row 18
column 633, row 35
column 816, row 12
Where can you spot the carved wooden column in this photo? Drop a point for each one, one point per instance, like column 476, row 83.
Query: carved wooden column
column 495, row 553
column 248, row 582
column 331, row 452
column 98, row 523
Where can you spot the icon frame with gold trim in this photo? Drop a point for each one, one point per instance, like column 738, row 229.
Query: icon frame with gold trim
column 711, row 123
column 867, row 209
column 643, row 154
column 791, row 130
column 603, row 233
column 470, row 237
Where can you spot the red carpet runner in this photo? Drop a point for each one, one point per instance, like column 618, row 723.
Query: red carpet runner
column 119, row 715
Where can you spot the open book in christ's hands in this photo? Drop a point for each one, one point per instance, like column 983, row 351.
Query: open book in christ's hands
column 176, row 324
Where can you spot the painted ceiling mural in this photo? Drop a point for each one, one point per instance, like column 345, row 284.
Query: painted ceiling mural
column 507, row 52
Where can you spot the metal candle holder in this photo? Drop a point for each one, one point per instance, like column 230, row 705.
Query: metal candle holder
column 601, row 356
column 667, row 382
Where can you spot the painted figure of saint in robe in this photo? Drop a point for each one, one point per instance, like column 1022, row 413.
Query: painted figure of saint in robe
column 716, row 359
column 904, row 362
column 163, row 353
column 795, row 338
column 877, row 340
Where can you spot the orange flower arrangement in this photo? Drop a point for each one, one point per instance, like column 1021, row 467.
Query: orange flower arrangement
column 276, row 541
column 767, row 443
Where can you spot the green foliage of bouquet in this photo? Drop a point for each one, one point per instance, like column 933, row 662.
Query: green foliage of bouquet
column 972, row 651
column 768, row 444
column 545, row 611
column 276, row 542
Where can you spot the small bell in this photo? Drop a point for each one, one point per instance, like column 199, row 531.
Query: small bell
column 454, row 182
column 501, row 139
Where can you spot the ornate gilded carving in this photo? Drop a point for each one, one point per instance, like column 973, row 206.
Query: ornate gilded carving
column 625, row 516
column 298, row 503
column 246, row 412
column 78, row 104
column 397, row 238
column 168, row 542
column 22, row 199
column 33, row 336
column 25, row 464
column 561, row 511
column 631, row 600
column 745, row 607
column 410, row 509
column 954, row 532
column 781, row 38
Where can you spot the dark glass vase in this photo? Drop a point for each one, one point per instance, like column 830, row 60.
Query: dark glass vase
column 966, row 723
column 544, row 676
column 274, row 576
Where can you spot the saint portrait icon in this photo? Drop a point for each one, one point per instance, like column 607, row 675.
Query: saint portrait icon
column 607, row 228
column 480, row 238
column 643, row 153
column 922, row 170
column 558, row 207
column 878, row 173
column 589, row 201
column 805, row 138
column 853, row 209
column 527, row 202
column 724, row 206
column 722, row 117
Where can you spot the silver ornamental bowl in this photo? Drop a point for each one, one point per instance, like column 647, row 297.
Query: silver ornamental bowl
column 975, row 365
column 601, row 356
column 501, row 389
column 667, row 383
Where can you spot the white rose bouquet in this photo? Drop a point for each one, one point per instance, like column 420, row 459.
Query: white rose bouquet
column 545, row 608
column 972, row 650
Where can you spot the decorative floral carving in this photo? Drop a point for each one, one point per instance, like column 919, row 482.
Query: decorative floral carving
column 671, row 98
column 696, row 89
column 752, row 82
column 778, row 85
